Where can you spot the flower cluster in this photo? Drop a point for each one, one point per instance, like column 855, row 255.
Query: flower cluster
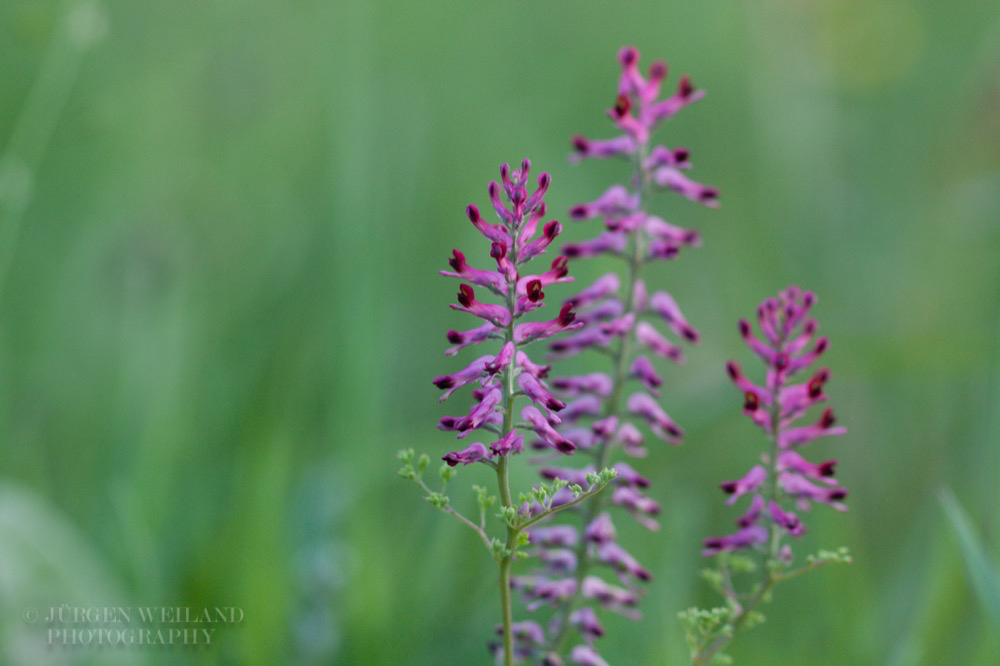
column 784, row 476
column 618, row 316
column 508, row 373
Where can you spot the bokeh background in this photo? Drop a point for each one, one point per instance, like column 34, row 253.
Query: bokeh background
column 220, row 227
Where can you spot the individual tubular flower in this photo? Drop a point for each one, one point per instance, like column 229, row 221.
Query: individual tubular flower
column 784, row 476
column 620, row 318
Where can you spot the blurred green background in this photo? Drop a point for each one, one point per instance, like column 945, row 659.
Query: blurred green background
column 221, row 223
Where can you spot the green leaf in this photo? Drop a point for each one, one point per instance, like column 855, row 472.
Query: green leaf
column 979, row 568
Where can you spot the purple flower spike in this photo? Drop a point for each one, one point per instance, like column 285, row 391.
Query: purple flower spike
column 784, row 347
column 612, row 316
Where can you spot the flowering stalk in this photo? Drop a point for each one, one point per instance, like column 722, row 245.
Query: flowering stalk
column 612, row 315
column 502, row 378
column 783, row 479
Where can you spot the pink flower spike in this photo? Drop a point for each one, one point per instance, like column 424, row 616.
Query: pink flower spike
column 495, row 314
column 749, row 483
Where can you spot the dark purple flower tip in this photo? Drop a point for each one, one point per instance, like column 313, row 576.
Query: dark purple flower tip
column 553, row 229
column 628, row 56
column 454, row 337
column 733, row 368
column 445, row 382
column 560, row 267
column 466, row 295
column 579, row 212
column 821, row 346
column 566, row 314
column 681, row 154
column 473, row 212
column 684, row 87
column 826, row 468
column 543, row 180
column 751, row 402
column 497, row 250
column 781, row 361
column 474, row 452
column 815, row 386
column 535, row 292
column 518, row 195
column 826, row 419
column 457, row 261
column 729, row 487
column 708, row 194
column 744, row 328
column 580, row 144
column 837, row 493
column 657, row 70
column 621, row 108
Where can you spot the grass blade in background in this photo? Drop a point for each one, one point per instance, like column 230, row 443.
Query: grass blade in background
column 980, row 570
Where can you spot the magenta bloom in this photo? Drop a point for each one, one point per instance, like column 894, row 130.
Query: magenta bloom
column 512, row 242
column 606, row 411
column 784, row 476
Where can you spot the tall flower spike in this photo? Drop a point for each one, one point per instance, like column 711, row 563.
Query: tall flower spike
column 618, row 316
column 783, row 479
column 500, row 378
